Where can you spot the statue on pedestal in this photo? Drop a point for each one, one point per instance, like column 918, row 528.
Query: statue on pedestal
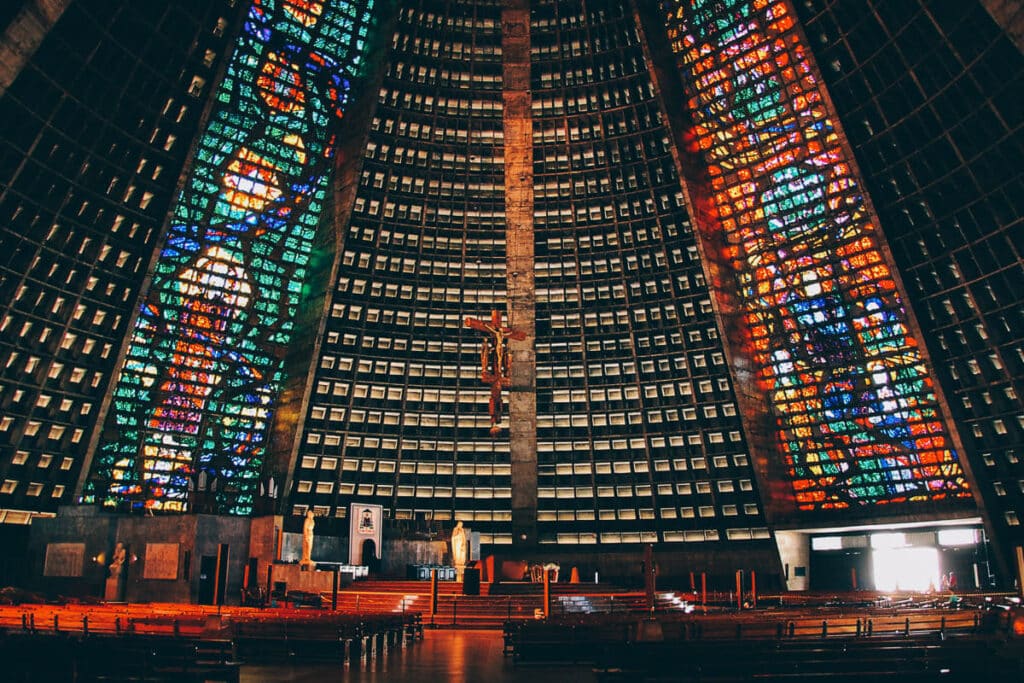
column 460, row 549
column 307, row 540
column 114, row 588
column 117, row 562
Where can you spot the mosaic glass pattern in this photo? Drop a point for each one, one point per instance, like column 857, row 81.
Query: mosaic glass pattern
column 856, row 417
column 203, row 370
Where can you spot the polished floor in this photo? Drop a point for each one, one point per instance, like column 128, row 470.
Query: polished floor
column 441, row 657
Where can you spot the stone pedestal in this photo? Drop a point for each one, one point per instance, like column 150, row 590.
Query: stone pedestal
column 299, row 579
column 112, row 589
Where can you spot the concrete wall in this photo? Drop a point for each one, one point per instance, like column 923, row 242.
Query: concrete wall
column 72, row 525
column 298, row 580
column 395, row 554
column 674, row 564
column 211, row 531
column 135, row 533
column 325, row 548
column 795, row 551
column 623, row 566
column 201, row 535
column 264, row 539
column 398, row 553
column 195, row 535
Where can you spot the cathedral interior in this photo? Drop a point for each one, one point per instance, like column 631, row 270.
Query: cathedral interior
column 736, row 280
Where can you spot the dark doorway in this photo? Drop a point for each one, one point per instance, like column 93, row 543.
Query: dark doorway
column 841, row 570
column 252, row 591
column 369, row 555
column 207, row 579
column 14, row 560
column 251, row 580
column 222, row 573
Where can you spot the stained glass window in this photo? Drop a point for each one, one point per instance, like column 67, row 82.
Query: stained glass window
column 856, row 417
column 203, row 370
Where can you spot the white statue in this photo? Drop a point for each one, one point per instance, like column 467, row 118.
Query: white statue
column 307, row 539
column 117, row 561
column 460, row 547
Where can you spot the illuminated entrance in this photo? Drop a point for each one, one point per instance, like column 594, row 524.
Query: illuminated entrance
column 906, row 569
column 909, row 560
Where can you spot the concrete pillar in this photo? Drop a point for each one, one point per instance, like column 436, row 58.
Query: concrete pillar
column 1009, row 14
column 1019, row 555
column 24, row 35
column 794, row 551
column 518, row 132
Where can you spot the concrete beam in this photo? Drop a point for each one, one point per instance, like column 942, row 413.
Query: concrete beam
column 519, row 237
column 24, row 35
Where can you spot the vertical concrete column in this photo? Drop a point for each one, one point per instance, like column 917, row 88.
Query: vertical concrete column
column 23, row 35
column 1018, row 553
column 1009, row 14
column 547, row 594
column 518, row 135
column 794, row 551
column 433, row 592
column 650, row 576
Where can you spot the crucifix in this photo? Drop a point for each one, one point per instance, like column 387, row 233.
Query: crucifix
column 495, row 361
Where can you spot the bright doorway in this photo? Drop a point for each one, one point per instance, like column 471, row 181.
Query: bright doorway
column 906, row 569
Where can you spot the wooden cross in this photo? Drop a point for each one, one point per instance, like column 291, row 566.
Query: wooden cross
column 495, row 360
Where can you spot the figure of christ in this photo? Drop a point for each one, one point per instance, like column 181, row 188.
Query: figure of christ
column 495, row 361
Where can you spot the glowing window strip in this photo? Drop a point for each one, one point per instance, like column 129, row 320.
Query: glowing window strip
column 203, row 372
column 857, row 421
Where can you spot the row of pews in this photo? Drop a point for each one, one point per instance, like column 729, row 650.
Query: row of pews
column 795, row 644
column 329, row 637
column 840, row 659
column 165, row 642
column 55, row 657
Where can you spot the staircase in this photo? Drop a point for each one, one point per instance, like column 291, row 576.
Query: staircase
column 496, row 603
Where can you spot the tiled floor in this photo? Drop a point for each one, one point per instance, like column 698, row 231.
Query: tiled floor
column 441, row 657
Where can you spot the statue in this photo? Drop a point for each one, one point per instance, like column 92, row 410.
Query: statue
column 114, row 587
column 460, row 548
column 307, row 540
column 495, row 361
column 117, row 562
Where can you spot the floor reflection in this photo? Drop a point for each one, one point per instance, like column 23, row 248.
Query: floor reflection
column 441, row 657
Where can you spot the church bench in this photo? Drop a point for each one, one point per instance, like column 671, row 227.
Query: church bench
column 865, row 658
